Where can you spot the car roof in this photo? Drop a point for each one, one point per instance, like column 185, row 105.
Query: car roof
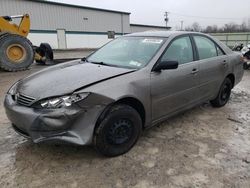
column 167, row 34
column 160, row 33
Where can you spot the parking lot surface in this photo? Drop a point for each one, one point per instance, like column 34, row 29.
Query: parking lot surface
column 203, row 147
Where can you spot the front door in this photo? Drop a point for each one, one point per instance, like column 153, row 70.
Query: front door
column 173, row 90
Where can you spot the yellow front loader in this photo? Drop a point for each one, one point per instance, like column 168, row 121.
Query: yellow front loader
column 16, row 51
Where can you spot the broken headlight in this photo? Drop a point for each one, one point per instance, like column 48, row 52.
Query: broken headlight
column 64, row 101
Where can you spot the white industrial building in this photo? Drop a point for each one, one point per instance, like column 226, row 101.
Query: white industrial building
column 71, row 26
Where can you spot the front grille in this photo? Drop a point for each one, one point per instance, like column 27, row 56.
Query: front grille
column 24, row 100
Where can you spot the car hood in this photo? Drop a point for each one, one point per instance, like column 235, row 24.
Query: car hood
column 66, row 78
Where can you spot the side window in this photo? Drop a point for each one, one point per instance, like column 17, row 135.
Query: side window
column 220, row 52
column 206, row 48
column 180, row 50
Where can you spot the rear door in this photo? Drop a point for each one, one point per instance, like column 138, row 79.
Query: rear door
column 173, row 90
column 213, row 66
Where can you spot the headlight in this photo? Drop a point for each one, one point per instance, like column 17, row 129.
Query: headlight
column 64, row 101
column 13, row 89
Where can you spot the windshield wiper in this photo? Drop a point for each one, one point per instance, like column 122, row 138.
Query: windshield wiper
column 102, row 63
column 84, row 59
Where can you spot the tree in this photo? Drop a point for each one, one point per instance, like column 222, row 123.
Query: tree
column 243, row 27
column 227, row 28
column 209, row 29
column 231, row 27
column 194, row 27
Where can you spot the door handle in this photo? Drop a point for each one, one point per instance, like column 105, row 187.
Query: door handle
column 195, row 71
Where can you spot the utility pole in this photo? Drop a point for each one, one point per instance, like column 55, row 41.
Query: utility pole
column 182, row 25
column 166, row 18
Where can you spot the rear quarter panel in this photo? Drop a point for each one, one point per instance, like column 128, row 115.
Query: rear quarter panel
column 236, row 65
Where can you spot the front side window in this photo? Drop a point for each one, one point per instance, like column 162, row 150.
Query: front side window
column 206, row 48
column 220, row 52
column 128, row 52
column 180, row 50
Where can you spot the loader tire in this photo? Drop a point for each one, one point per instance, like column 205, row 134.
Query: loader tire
column 3, row 34
column 16, row 53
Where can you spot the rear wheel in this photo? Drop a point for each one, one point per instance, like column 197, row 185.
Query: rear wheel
column 246, row 66
column 224, row 94
column 16, row 53
column 118, row 131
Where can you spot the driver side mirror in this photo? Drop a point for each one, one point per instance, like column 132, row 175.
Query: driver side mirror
column 166, row 65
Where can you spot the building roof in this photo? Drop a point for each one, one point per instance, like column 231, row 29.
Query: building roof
column 155, row 26
column 77, row 6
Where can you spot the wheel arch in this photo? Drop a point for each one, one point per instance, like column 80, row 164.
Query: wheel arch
column 136, row 104
column 130, row 101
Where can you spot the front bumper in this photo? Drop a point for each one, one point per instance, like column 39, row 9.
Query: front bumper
column 73, row 124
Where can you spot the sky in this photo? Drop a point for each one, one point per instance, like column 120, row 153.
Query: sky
column 205, row 12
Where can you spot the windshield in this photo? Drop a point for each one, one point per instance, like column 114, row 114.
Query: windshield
column 128, row 52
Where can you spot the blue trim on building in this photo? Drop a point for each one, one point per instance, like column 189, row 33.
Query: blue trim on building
column 43, row 31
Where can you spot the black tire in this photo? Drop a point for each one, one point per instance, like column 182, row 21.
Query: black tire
column 118, row 131
column 223, row 95
column 245, row 66
column 5, row 62
column 238, row 48
column 3, row 34
column 46, row 51
column 247, row 55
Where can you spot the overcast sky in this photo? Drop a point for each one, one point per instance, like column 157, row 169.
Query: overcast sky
column 205, row 12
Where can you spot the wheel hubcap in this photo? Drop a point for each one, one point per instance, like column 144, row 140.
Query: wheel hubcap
column 225, row 92
column 16, row 53
column 120, row 132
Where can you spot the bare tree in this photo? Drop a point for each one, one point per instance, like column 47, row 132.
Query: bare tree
column 194, row 27
column 231, row 27
column 243, row 27
column 209, row 29
column 228, row 28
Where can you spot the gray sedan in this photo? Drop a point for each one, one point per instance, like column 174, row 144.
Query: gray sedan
column 128, row 85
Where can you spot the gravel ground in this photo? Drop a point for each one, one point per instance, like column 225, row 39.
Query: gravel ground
column 203, row 147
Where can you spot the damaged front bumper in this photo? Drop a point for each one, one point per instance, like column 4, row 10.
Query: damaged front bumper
column 73, row 124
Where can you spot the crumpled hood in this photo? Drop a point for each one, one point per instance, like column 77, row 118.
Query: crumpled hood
column 66, row 78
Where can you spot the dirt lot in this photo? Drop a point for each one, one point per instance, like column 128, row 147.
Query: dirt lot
column 204, row 147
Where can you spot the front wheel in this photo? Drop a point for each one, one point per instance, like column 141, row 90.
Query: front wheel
column 118, row 131
column 224, row 94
